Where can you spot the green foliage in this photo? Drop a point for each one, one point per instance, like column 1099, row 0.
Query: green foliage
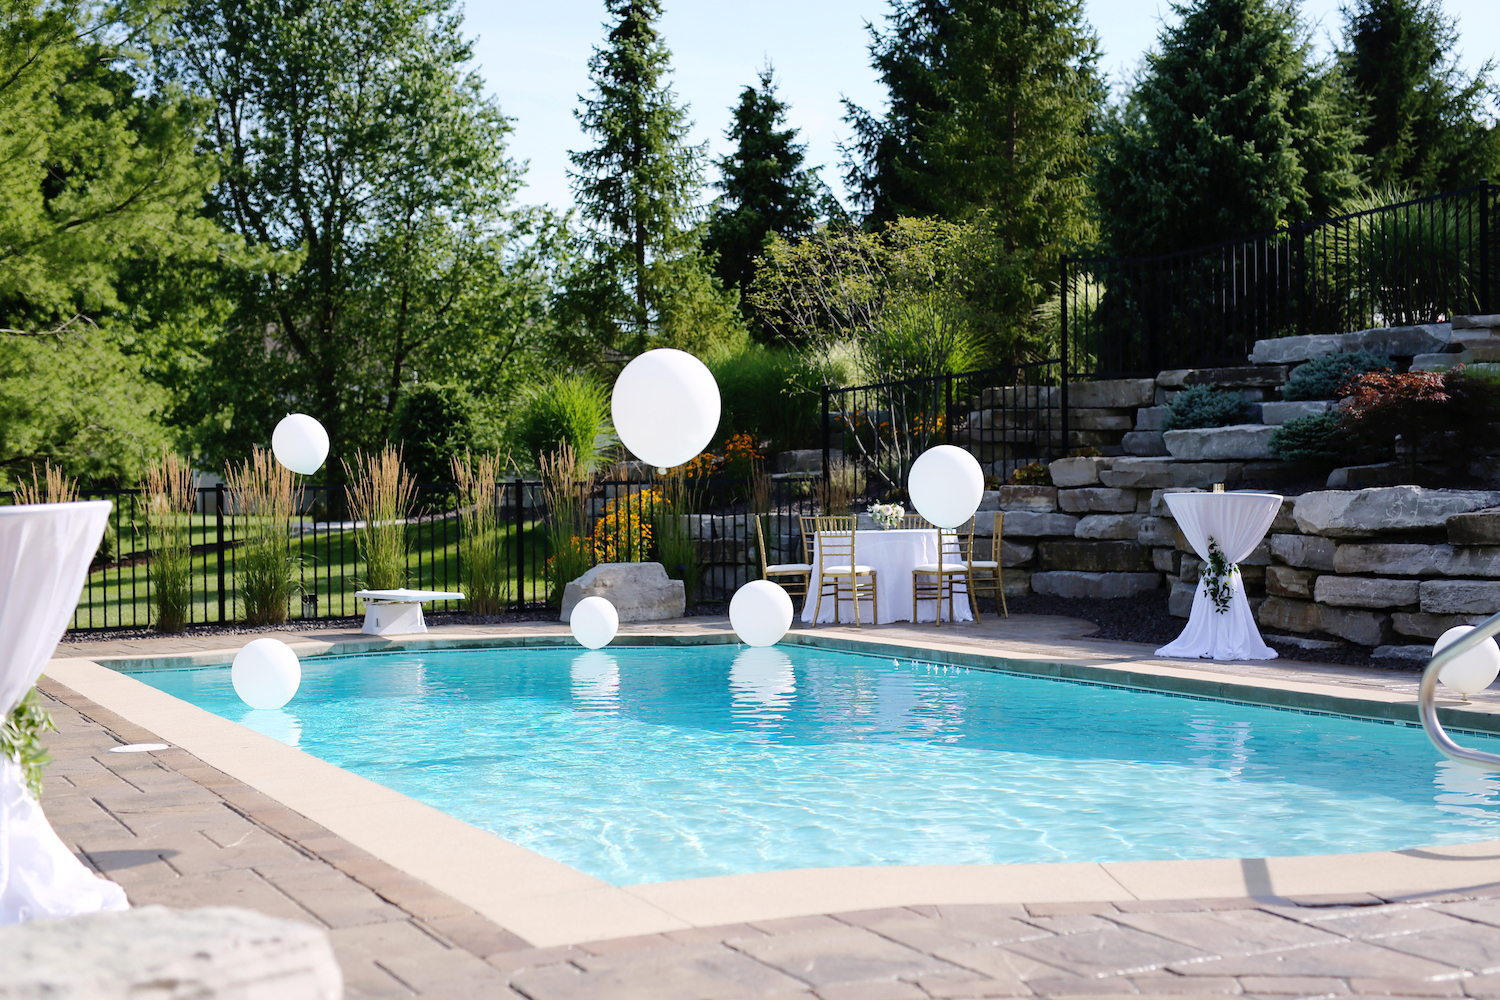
column 380, row 495
column 769, row 394
column 483, row 563
column 642, row 280
column 1441, row 416
column 20, row 740
column 765, row 188
column 1423, row 122
column 1318, row 437
column 1031, row 474
column 435, row 424
column 672, row 532
column 1229, row 129
column 570, row 410
column 169, row 496
column 1204, row 406
column 264, row 564
column 1323, row 378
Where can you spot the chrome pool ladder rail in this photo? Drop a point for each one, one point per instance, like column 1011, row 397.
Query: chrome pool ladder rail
column 1428, row 690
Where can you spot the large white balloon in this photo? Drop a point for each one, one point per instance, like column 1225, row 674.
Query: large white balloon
column 665, row 407
column 946, row 485
column 300, row 443
column 760, row 613
column 1473, row 671
column 266, row 673
column 594, row 622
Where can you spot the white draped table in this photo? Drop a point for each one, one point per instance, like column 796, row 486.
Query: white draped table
column 45, row 551
column 892, row 555
column 1235, row 523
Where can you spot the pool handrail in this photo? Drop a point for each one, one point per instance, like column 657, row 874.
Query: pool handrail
column 1428, row 690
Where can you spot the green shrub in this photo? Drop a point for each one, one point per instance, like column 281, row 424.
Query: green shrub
column 1322, row 377
column 436, row 424
column 1319, row 437
column 769, row 394
column 570, row 410
column 1205, row 406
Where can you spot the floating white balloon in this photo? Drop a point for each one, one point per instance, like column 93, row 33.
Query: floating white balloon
column 760, row 613
column 594, row 622
column 665, row 407
column 266, row 673
column 300, row 443
column 1473, row 671
column 946, row 485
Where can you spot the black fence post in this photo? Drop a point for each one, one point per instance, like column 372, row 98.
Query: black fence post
column 827, row 434
column 947, row 407
column 520, row 547
column 1486, row 300
column 219, row 547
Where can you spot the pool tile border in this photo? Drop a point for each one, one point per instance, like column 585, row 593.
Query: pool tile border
column 548, row 903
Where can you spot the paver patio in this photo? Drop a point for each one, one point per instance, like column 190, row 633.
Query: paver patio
column 175, row 831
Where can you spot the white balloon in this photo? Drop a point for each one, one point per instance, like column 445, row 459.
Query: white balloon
column 760, row 613
column 266, row 673
column 665, row 407
column 300, row 443
column 946, row 485
column 594, row 622
column 1473, row 671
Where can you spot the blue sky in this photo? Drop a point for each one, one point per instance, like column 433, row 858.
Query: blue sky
column 534, row 58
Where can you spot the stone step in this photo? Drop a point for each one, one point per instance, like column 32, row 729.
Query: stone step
column 1250, row 377
column 1393, row 341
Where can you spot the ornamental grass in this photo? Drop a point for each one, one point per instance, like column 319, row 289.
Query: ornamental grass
column 380, row 495
column 567, row 489
column 52, row 487
column 265, row 496
column 170, row 497
column 481, row 551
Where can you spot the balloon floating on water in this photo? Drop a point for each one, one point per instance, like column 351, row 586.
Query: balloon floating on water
column 760, row 613
column 665, row 407
column 946, row 485
column 266, row 673
column 300, row 443
column 594, row 622
column 1473, row 671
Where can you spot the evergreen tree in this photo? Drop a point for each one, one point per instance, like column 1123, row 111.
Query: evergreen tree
column 643, row 280
column 1422, row 120
column 766, row 190
column 1229, row 130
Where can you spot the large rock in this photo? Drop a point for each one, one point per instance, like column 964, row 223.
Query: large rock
column 1460, row 597
column 1280, row 413
column 1042, row 499
column 1350, row 477
column 1259, row 556
column 1367, row 628
column 1400, row 341
column 1091, row 419
column 1364, row 592
column 153, row 952
column 1158, row 505
column 1191, row 568
column 1290, row 615
column 1076, row 471
column 1113, row 527
column 1477, row 322
column 1161, row 473
column 1180, row 599
column 1150, row 418
column 1015, row 554
column 1094, row 557
column 1288, row 581
column 1114, row 394
column 1482, row 527
column 1357, row 513
column 1420, row 623
column 1286, row 521
column 1097, row 500
column 1291, row 350
column 1306, row 551
column 1401, row 657
column 1073, row 584
column 1166, row 561
column 1146, row 443
column 1031, row 524
column 1237, row 442
column 1398, row 559
column 1254, row 376
column 640, row 592
column 1161, row 532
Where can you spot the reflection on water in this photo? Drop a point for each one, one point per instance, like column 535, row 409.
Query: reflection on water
column 1219, row 744
column 1467, row 791
column 596, row 681
column 762, row 682
column 277, row 723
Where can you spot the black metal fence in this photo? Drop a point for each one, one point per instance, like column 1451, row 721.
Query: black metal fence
column 1007, row 417
column 1419, row 261
column 118, row 591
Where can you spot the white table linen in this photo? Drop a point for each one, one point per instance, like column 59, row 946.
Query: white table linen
column 45, row 551
column 892, row 555
column 1237, row 522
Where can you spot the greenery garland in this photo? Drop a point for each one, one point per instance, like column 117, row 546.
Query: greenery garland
column 1217, row 578
column 20, row 740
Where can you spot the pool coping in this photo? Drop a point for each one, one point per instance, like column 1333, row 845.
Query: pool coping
column 549, row 903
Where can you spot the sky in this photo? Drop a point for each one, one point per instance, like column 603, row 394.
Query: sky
column 534, row 57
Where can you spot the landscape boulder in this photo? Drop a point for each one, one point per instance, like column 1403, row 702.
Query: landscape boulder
column 1357, row 513
column 1305, row 551
column 1460, row 597
column 1291, row 350
column 1162, row 473
column 1406, row 559
column 1400, row 341
column 640, row 592
column 1097, row 500
column 1364, row 592
column 1290, row 615
column 1111, row 527
column 1481, row 527
column 1280, row 413
column 1031, row 524
column 1144, row 443
column 1095, row 556
column 1113, row 394
column 1076, row 471
column 1237, row 442
column 1078, row 584
column 1042, row 499
column 1365, row 628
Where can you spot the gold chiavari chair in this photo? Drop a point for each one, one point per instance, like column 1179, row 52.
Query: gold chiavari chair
column 840, row 575
column 987, row 575
column 791, row 577
column 939, row 580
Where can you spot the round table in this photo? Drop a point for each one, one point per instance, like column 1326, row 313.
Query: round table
column 892, row 554
column 1234, row 523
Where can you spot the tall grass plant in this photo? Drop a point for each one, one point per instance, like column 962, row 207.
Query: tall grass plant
column 481, row 554
column 567, row 490
column 264, row 493
column 170, row 498
column 380, row 496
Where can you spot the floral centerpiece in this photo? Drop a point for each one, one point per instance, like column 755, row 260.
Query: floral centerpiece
column 887, row 515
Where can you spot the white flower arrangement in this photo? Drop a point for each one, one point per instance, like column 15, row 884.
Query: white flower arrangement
column 887, row 515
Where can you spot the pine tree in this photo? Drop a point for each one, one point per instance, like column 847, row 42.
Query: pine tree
column 765, row 188
column 1230, row 129
column 1421, row 118
column 643, row 281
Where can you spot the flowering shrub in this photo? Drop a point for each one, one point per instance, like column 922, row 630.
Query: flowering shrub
column 623, row 534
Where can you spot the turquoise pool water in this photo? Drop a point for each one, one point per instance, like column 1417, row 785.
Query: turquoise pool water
column 649, row 764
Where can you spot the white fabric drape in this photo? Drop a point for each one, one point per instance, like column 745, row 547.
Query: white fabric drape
column 45, row 550
column 893, row 555
column 1237, row 522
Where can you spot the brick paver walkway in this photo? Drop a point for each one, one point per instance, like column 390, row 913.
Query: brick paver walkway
column 175, row 831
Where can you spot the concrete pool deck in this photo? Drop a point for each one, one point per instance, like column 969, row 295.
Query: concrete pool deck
column 506, row 901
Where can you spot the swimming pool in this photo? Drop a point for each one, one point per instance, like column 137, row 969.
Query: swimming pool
column 651, row 764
